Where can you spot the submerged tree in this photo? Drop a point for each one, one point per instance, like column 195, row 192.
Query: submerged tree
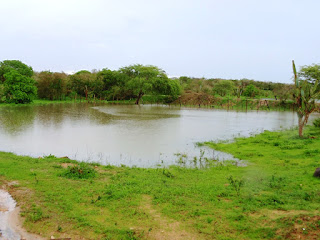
column 305, row 95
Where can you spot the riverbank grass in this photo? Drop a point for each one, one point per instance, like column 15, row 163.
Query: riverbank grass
column 274, row 197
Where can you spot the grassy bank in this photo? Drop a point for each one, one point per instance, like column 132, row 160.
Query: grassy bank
column 274, row 197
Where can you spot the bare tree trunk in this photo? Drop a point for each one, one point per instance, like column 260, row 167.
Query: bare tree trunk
column 139, row 97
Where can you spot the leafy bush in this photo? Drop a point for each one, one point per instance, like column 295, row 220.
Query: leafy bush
column 316, row 123
column 80, row 171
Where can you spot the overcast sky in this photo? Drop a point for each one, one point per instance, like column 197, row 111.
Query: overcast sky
column 255, row 39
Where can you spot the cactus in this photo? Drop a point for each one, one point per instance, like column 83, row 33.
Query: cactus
column 305, row 95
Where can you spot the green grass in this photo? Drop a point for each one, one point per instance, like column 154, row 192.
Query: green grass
column 274, row 197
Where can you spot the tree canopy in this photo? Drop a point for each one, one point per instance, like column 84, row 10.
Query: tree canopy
column 305, row 94
column 310, row 73
column 9, row 65
column 18, row 86
column 149, row 79
column 223, row 87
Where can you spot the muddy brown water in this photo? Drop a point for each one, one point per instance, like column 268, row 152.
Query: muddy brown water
column 143, row 136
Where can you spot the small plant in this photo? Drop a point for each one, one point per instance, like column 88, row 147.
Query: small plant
column 209, row 220
column 236, row 184
column 276, row 182
column 34, row 214
column 35, row 177
column 167, row 173
column 79, row 171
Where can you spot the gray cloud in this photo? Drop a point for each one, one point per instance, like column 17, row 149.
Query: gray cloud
column 228, row 39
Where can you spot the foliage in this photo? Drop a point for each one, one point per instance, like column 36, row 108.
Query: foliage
column 113, row 84
column 19, row 88
column 138, row 80
column 250, row 91
column 8, row 65
column 79, row 171
column 149, row 79
column 51, row 86
column 236, row 184
column 305, row 95
column 2, row 93
column 223, row 87
column 316, row 123
column 310, row 73
column 86, row 84
column 283, row 91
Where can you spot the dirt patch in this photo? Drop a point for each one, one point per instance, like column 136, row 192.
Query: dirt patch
column 15, row 222
column 66, row 165
column 10, row 221
column 277, row 214
column 161, row 227
column 304, row 227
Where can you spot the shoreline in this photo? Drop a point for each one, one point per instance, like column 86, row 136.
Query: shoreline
column 224, row 201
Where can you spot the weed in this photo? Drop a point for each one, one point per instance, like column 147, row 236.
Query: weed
column 209, row 220
column 167, row 173
column 276, row 182
column 79, row 171
column 236, row 184
column 34, row 214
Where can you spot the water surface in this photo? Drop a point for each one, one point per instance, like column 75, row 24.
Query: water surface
column 125, row 134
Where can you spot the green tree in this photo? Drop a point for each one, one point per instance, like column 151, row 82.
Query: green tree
column 305, row 94
column 113, row 84
column 51, row 85
column 86, row 84
column 223, row 87
column 2, row 95
column 149, row 80
column 19, row 88
column 310, row 73
column 251, row 91
column 8, row 65
column 283, row 91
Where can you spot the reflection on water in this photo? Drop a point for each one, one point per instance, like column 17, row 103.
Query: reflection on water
column 125, row 134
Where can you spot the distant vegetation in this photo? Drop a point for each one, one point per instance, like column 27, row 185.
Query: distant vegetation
column 20, row 84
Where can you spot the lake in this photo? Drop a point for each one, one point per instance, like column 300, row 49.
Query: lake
column 142, row 136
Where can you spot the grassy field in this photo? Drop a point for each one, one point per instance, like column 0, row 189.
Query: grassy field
column 274, row 197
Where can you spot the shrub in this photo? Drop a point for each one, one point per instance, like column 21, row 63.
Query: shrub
column 80, row 171
column 316, row 123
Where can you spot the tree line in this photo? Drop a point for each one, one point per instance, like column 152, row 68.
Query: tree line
column 20, row 84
